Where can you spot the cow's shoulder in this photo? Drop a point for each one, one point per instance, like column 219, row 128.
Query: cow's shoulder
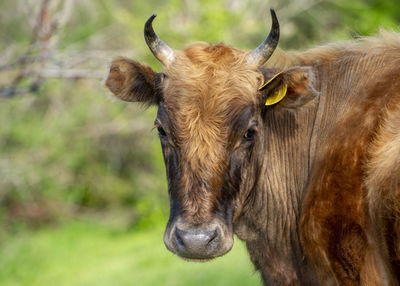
column 355, row 174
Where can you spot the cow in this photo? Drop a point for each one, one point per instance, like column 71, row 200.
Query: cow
column 296, row 153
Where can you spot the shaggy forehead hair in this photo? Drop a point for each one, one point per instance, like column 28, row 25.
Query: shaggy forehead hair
column 205, row 89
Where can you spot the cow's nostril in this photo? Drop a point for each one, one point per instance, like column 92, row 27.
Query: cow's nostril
column 179, row 239
column 213, row 237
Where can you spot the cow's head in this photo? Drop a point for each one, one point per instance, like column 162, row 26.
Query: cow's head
column 210, row 124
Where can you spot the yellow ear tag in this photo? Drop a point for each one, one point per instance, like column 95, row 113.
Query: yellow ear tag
column 269, row 81
column 278, row 94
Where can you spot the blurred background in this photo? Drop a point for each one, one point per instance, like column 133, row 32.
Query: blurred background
column 83, row 197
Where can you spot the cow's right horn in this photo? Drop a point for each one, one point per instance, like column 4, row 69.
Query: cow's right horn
column 159, row 49
column 264, row 51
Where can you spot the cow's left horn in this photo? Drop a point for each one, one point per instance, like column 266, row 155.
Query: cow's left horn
column 159, row 49
column 264, row 51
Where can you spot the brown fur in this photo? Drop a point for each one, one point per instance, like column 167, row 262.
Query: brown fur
column 383, row 192
column 334, row 220
column 319, row 202
column 201, row 115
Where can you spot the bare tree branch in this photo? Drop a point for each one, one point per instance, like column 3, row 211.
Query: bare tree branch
column 42, row 60
column 72, row 73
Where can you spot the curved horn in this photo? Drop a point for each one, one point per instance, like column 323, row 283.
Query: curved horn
column 264, row 51
column 159, row 49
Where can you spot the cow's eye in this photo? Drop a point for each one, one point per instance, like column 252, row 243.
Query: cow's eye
column 161, row 131
column 250, row 134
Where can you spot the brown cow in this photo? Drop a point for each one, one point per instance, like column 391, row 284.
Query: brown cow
column 304, row 168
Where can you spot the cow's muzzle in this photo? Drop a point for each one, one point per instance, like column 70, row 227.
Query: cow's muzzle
column 200, row 241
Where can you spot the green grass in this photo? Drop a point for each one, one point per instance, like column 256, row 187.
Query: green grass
column 83, row 253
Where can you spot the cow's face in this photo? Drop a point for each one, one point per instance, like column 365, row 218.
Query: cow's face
column 207, row 122
column 210, row 124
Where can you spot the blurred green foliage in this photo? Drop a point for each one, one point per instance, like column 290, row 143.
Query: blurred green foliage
column 69, row 150
column 85, row 253
column 66, row 153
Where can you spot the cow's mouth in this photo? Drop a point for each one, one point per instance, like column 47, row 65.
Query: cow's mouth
column 199, row 242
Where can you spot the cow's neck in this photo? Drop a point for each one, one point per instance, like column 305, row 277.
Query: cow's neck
column 272, row 207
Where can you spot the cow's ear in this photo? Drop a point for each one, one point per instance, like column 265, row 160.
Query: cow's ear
column 289, row 89
column 132, row 81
